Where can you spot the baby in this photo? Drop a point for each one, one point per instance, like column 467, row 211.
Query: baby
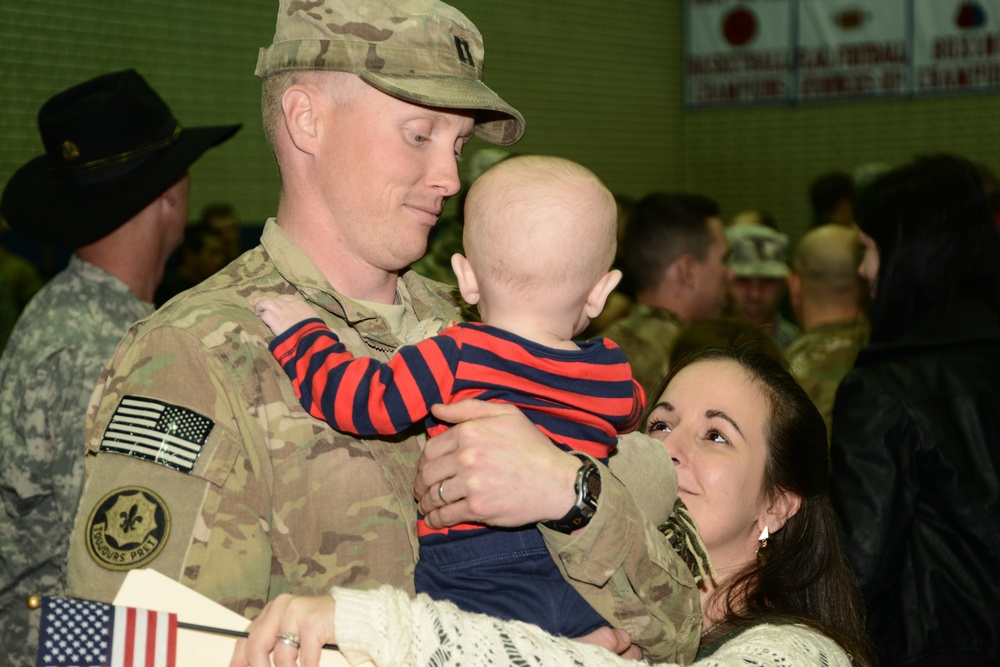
column 540, row 238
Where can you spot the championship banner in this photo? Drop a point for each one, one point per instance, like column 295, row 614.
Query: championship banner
column 738, row 52
column 848, row 49
column 956, row 45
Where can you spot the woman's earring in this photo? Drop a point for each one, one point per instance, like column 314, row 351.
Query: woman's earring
column 761, row 554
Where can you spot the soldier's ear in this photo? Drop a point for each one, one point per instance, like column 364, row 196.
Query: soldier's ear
column 685, row 271
column 300, row 105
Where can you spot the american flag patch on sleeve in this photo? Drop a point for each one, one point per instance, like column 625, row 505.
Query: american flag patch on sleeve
column 156, row 431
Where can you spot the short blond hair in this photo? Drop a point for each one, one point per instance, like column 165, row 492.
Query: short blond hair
column 535, row 222
column 340, row 87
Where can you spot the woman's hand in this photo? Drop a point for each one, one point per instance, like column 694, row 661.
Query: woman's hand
column 494, row 467
column 616, row 641
column 307, row 620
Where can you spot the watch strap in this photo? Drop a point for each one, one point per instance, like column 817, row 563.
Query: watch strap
column 586, row 502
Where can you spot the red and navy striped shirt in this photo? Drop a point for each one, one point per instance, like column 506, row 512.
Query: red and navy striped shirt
column 581, row 399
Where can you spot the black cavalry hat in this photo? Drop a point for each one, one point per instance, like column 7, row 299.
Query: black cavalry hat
column 112, row 146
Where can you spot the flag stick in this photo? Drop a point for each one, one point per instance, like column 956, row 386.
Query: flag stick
column 230, row 633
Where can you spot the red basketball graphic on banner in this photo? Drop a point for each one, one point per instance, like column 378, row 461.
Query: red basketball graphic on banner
column 970, row 15
column 739, row 26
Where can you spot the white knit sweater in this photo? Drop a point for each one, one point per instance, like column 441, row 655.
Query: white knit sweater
column 390, row 629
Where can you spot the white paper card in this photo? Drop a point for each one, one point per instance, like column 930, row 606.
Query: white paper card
column 148, row 589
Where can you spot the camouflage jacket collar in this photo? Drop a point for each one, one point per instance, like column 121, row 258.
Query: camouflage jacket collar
column 83, row 270
column 428, row 299
column 845, row 328
column 647, row 311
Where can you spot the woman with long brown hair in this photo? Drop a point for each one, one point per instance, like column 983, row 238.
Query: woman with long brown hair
column 750, row 451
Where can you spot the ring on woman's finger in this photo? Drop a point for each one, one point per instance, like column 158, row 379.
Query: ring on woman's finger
column 289, row 638
column 441, row 493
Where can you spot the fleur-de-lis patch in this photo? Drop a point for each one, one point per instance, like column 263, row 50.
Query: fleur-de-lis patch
column 127, row 528
column 130, row 519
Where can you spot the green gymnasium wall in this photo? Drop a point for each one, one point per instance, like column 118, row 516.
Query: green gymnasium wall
column 598, row 85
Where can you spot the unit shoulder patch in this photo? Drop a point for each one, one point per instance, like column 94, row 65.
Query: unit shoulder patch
column 127, row 528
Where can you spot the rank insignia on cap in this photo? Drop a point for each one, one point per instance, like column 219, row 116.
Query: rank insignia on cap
column 156, row 431
column 127, row 528
column 464, row 52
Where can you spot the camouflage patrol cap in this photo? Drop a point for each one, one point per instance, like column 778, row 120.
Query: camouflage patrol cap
column 421, row 51
column 757, row 251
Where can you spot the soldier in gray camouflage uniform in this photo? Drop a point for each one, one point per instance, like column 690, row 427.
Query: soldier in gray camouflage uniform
column 201, row 462
column 675, row 256
column 828, row 297
column 93, row 133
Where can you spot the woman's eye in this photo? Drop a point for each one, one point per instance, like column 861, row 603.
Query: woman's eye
column 657, row 426
column 716, row 436
column 418, row 138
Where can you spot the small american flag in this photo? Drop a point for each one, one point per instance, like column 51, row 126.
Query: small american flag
column 167, row 434
column 78, row 633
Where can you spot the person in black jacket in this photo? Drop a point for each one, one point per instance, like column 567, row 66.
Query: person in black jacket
column 916, row 423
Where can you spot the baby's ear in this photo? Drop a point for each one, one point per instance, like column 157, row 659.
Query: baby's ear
column 467, row 283
column 601, row 291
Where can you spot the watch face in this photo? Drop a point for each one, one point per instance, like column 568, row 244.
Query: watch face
column 594, row 485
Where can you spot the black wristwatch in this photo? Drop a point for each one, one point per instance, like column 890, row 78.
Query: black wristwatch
column 588, row 490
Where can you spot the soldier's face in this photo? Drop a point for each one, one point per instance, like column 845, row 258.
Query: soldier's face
column 388, row 168
column 212, row 257
column 713, row 275
column 756, row 299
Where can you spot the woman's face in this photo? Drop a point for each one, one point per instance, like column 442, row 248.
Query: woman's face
column 711, row 418
column 868, row 269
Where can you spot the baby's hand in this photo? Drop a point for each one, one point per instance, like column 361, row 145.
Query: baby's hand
column 281, row 312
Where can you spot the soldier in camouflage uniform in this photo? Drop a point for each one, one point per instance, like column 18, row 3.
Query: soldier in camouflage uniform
column 823, row 356
column 675, row 256
column 647, row 334
column 829, row 298
column 201, row 462
column 71, row 327
column 760, row 269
